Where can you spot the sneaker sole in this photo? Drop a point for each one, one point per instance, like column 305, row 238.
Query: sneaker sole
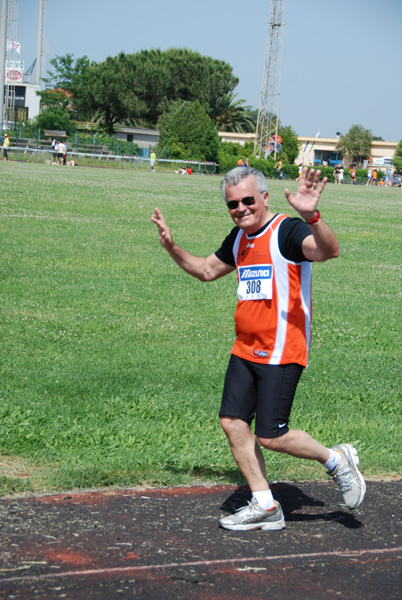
column 253, row 526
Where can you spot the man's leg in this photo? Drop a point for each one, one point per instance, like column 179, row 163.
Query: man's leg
column 246, row 452
column 297, row 443
column 236, row 414
column 248, row 456
column 279, row 384
column 344, row 471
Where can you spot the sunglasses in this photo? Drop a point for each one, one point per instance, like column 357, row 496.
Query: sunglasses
column 247, row 201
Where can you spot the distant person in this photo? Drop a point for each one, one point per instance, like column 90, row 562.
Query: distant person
column 246, row 163
column 341, row 173
column 60, row 153
column 353, row 175
column 54, row 148
column 369, row 177
column 272, row 254
column 300, row 171
column 152, row 160
column 240, row 162
column 388, row 176
column 375, row 176
column 6, row 145
column 337, row 174
column 278, row 168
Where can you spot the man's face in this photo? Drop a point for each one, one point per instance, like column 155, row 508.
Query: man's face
column 249, row 218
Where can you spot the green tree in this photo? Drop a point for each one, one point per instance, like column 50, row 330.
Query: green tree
column 55, row 118
column 53, row 99
column 290, row 144
column 230, row 153
column 179, row 73
column 233, row 115
column 356, row 144
column 137, row 88
column 54, row 113
column 187, row 133
column 69, row 74
column 114, row 93
column 397, row 160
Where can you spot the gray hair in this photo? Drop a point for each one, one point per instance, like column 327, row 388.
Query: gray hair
column 236, row 175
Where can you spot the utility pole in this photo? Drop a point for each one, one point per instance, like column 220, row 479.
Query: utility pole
column 266, row 138
column 3, row 41
column 39, row 45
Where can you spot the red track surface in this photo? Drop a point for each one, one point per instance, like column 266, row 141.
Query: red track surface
column 167, row 544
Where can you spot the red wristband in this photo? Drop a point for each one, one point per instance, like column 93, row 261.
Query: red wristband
column 315, row 219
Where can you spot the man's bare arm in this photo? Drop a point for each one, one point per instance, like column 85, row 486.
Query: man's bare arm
column 203, row 268
column 323, row 243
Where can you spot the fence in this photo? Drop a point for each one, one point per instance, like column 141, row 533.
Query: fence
column 33, row 151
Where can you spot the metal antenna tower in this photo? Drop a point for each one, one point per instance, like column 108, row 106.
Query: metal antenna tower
column 11, row 64
column 268, row 112
column 41, row 48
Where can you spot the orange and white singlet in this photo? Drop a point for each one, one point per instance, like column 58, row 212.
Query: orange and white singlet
column 273, row 314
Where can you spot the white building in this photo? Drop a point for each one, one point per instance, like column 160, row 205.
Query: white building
column 315, row 151
column 27, row 100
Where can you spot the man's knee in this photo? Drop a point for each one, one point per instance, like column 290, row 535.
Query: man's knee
column 233, row 426
column 276, row 444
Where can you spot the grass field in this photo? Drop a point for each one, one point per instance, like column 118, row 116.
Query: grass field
column 113, row 359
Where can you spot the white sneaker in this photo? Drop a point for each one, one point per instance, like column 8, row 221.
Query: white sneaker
column 254, row 516
column 348, row 477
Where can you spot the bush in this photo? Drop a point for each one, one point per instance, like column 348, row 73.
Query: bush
column 327, row 172
column 55, row 118
column 229, row 154
column 290, row 144
column 122, row 147
column 361, row 175
column 265, row 166
column 187, row 133
column 227, row 162
column 291, row 171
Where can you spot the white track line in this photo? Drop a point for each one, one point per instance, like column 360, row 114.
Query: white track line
column 200, row 563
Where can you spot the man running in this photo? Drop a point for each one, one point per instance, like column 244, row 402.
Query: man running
column 272, row 254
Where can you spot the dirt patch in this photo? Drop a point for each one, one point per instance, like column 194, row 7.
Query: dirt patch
column 15, row 466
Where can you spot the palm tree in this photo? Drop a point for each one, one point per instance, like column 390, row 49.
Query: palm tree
column 233, row 115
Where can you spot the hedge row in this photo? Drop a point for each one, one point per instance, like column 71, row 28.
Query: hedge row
column 292, row 171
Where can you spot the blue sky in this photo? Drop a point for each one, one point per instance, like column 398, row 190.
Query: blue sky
column 341, row 60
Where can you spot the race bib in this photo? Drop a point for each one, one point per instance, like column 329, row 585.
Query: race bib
column 255, row 282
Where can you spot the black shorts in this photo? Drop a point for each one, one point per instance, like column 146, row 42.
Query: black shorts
column 265, row 392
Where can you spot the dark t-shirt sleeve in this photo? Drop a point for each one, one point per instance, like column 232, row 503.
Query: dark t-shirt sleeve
column 292, row 232
column 225, row 252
